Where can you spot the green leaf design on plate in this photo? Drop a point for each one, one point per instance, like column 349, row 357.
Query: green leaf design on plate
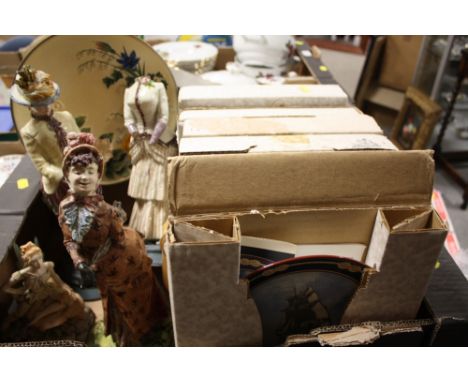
column 108, row 136
column 80, row 120
column 101, row 45
column 108, row 81
column 116, row 75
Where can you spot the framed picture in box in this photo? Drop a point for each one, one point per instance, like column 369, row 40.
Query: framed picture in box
column 416, row 120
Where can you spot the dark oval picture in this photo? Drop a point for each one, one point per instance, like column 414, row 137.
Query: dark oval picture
column 297, row 295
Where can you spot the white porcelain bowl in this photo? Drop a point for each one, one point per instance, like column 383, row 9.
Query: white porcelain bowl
column 264, row 50
column 193, row 56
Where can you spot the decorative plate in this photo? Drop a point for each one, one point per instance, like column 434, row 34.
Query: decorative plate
column 297, row 295
column 192, row 56
column 93, row 72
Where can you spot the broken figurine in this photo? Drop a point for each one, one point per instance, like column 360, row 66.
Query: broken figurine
column 146, row 113
column 44, row 308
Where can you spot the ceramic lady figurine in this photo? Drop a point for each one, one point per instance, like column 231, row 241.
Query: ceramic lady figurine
column 43, row 302
column 146, row 113
column 97, row 241
column 45, row 135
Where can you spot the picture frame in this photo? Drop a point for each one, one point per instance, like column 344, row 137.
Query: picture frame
column 416, row 121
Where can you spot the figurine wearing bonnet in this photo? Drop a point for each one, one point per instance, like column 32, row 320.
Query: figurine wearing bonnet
column 96, row 240
column 45, row 135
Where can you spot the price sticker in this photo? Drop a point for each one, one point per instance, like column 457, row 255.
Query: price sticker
column 22, row 183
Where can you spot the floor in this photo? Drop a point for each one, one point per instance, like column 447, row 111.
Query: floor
column 346, row 68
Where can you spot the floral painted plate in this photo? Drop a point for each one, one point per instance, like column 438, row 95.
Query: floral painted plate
column 93, row 72
column 296, row 295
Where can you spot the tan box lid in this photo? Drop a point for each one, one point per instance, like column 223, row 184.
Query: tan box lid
column 343, row 112
column 330, row 124
column 248, row 96
column 278, row 181
column 275, row 143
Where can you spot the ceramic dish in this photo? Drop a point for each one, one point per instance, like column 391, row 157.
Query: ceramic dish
column 296, row 295
column 192, row 56
column 225, row 77
column 93, row 72
column 266, row 50
column 258, row 69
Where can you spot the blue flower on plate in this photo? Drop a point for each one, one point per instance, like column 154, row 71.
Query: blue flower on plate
column 128, row 61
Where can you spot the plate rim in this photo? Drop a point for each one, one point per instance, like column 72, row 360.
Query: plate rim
column 40, row 40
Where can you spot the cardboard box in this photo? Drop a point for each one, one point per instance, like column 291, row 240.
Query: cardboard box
column 268, row 134
column 399, row 61
column 302, row 198
column 319, row 124
column 343, row 112
column 261, row 96
column 283, row 143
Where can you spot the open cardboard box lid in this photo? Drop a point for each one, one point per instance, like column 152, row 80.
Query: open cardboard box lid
column 210, row 184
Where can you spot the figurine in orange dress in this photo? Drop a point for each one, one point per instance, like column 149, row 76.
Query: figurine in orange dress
column 96, row 240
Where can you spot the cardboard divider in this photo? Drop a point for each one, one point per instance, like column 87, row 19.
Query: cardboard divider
column 402, row 253
column 390, row 289
column 328, row 226
column 209, row 304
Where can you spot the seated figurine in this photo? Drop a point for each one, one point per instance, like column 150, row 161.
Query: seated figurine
column 94, row 236
column 45, row 307
column 45, row 135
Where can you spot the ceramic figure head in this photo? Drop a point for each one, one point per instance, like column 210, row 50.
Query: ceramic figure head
column 31, row 255
column 82, row 164
column 34, row 88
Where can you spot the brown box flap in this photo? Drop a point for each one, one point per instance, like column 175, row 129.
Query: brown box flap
column 242, row 182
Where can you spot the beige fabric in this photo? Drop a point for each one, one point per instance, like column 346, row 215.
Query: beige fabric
column 148, row 177
column 154, row 105
column 42, row 146
column 148, row 218
column 148, row 185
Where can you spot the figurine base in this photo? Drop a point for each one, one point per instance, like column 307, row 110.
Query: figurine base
column 88, row 294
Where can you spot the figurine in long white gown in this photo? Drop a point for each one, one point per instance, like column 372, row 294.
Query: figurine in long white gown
column 146, row 113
